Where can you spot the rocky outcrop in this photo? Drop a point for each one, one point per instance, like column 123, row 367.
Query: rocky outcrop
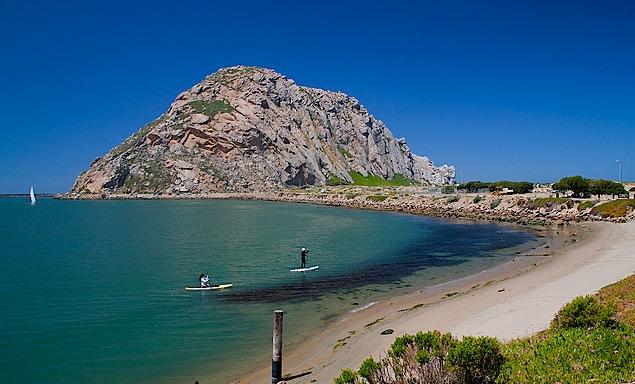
column 251, row 129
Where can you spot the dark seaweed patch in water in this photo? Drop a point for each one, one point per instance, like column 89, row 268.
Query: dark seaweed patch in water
column 461, row 243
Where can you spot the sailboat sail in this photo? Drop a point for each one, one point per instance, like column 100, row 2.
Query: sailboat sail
column 32, row 196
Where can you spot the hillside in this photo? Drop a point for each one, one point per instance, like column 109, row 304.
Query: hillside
column 248, row 129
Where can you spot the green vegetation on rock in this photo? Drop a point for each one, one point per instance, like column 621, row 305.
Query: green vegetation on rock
column 210, row 108
column 377, row 198
column 334, row 180
column 616, row 208
column 586, row 205
column 546, row 202
column 155, row 179
column 136, row 138
column 452, row 199
column 378, row 181
column 345, row 153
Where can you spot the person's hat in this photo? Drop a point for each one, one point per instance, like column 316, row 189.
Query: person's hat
column 304, row 249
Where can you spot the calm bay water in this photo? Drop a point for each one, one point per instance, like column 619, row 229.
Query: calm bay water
column 92, row 291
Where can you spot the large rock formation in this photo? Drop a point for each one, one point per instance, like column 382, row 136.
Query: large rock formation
column 249, row 129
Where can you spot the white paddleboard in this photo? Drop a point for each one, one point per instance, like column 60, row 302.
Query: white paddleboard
column 210, row 288
column 305, row 269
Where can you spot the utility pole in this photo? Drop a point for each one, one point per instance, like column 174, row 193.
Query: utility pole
column 620, row 173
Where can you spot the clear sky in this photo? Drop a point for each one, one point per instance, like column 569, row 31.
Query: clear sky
column 516, row 90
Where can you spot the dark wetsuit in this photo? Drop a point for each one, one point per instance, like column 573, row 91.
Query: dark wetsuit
column 303, row 257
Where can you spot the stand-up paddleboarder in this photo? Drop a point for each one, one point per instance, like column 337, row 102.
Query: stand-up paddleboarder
column 303, row 255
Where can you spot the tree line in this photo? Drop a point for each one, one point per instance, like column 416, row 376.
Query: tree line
column 582, row 187
column 516, row 186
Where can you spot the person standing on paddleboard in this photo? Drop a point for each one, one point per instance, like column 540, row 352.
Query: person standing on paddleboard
column 204, row 280
column 303, row 255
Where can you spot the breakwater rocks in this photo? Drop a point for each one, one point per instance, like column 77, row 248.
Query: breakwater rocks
column 520, row 209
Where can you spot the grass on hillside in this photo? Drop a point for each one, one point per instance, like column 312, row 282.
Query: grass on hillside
column 377, row 181
column 586, row 204
column 615, row 208
column 210, row 108
column 372, row 180
column 334, row 180
column 574, row 355
column 621, row 296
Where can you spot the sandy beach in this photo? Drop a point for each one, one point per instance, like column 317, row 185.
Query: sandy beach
column 512, row 300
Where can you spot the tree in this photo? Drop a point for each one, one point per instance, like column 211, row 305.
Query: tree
column 577, row 184
column 606, row 187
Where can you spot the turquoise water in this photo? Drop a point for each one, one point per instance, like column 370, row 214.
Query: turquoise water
column 92, row 291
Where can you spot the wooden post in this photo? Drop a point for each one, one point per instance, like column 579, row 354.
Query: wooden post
column 276, row 362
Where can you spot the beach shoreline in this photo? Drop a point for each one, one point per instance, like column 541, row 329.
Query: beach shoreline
column 513, row 299
column 525, row 209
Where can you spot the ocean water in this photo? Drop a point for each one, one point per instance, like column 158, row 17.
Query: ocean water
column 92, row 291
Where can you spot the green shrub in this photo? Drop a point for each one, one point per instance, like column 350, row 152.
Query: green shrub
column 546, row 202
column 346, row 377
column 370, row 370
column 495, row 203
column 448, row 189
column 452, row 199
column 584, row 312
column 476, row 360
column 477, row 199
column 377, row 198
column 421, row 357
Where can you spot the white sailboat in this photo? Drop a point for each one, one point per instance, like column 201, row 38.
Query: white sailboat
column 32, row 195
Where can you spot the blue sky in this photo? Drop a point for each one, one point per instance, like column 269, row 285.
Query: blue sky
column 503, row 90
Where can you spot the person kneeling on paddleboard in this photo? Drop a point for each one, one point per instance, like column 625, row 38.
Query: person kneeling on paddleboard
column 204, row 279
column 303, row 255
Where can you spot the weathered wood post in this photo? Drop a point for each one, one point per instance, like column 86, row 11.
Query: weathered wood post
column 276, row 362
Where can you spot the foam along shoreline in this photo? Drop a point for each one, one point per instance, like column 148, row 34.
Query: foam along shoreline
column 514, row 299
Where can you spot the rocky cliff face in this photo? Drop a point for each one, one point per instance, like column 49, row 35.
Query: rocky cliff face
column 250, row 129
